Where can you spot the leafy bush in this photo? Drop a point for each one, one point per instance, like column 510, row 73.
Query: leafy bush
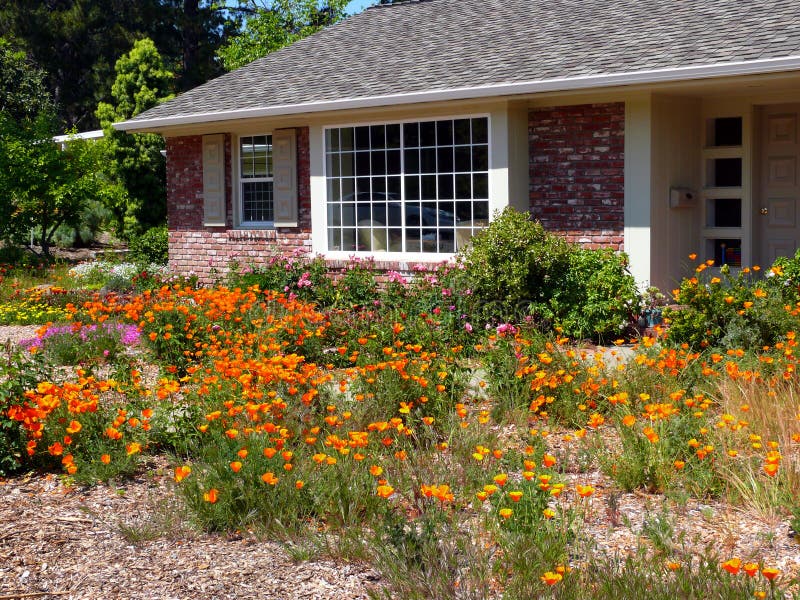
column 305, row 278
column 17, row 374
column 597, row 296
column 76, row 344
column 152, row 247
column 733, row 311
column 513, row 263
column 515, row 266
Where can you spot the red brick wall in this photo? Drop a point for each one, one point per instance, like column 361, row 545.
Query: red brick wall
column 207, row 251
column 577, row 160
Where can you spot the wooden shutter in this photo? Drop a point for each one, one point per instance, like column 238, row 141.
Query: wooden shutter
column 214, row 180
column 284, row 161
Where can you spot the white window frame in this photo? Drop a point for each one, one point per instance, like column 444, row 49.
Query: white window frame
column 398, row 256
column 239, row 181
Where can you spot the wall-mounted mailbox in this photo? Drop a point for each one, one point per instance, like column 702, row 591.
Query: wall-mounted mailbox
column 680, row 197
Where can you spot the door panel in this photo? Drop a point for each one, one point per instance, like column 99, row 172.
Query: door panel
column 779, row 192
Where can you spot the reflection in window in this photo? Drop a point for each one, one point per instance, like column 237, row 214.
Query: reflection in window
column 407, row 187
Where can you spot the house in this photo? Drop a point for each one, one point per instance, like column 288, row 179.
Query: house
column 657, row 127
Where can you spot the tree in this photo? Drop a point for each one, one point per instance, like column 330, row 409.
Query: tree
column 78, row 42
column 284, row 22
column 23, row 94
column 137, row 163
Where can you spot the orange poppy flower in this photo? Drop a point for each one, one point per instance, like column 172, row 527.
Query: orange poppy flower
column 732, row 566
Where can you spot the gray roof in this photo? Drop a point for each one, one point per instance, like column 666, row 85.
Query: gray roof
column 426, row 46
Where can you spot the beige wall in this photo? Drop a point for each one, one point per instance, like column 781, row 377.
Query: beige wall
column 675, row 162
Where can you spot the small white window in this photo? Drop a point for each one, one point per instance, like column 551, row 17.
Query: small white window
column 255, row 180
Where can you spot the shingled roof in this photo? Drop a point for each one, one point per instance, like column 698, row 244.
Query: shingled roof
column 434, row 49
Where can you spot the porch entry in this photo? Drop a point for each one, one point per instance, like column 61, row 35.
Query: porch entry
column 777, row 190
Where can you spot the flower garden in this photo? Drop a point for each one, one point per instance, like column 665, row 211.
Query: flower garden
column 461, row 451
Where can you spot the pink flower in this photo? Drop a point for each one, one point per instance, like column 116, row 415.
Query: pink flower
column 468, row 327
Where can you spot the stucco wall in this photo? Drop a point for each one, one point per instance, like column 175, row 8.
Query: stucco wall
column 676, row 162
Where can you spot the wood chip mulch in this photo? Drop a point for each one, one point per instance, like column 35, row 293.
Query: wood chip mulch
column 128, row 543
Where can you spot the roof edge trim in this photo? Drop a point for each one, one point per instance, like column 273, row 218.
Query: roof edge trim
column 753, row 67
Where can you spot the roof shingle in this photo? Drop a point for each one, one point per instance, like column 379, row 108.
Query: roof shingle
column 429, row 45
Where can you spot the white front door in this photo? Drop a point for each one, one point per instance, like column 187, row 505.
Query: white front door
column 777, row 207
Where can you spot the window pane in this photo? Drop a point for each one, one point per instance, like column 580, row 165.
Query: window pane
column 462, row 131
column 332, row 140
column 428, row 160
column 335, row 239
column 257, row 201
column 480, row 211
column 427, row 133
column 444, row 133
column 480, row 158
column 348, row 214
column 412, row 161
column 463, row 159
column 378, row 187
column 444, row 160
column 393, row 188
column 393, row 136
column 463, row 186
column 378, row 163
column 411, row 135
column 347, row 164
column 480, row 186
column 480, row 131
column 346, row 138
column 348, row 189
column 393, row 162
column 378, row 135
column 362, row 138
column 428, row 187
column 413, row 187
column 334, row 215
column 334, row 190
column 362, row 163
column 445, row 187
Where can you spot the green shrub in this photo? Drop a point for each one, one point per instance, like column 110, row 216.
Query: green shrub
column 513, row 263
column 306, row 278
column 17, row 374
column 515, row 267
column 152, row 247
column 738, row 310
column 597, row 296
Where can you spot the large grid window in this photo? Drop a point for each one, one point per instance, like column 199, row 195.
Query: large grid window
column 255, row 177
column 407, row 187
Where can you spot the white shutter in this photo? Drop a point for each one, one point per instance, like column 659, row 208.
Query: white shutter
column 284, row 161
column 214, row 180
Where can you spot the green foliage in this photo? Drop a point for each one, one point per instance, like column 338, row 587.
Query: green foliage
column 285, row 22
column 597, row 296
column 23, row 94
column 514, row 267
column 17, row 374
column 514, row 262
column 152, row 247
column 303, row 277
column 738, row 310
column 142, row 82
column 77, row 42
column 42, row 186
